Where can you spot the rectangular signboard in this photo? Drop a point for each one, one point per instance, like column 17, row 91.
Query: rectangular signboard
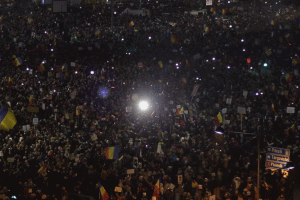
column 277, row 158
column 275, row 165
column 279, row 151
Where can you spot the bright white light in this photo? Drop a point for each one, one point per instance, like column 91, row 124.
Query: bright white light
column 265, row 64
column 251, row 67
column 228, row 1
column 197, row 78
column 43, row 62
column 22, row 84
column 27, row 69
column 213, row 58
column 176, row 64
column 256, row 93
column 230, row 26
column 214, row 68
column 51, row 49
column 76, row 72
column 177, row 67
column 45, row 31
column 206, row 60
column 52, row 68
column 149, row 37
column 242, row 40
column 261, row 93
column 115, row 12
column 92, row 72
column 228, row 67
column 122, row 39
column 219, row 132
column 54, row 90
column 244, row 49
column 143, row 105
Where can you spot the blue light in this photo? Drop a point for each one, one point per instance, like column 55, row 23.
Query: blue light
column 104, row 92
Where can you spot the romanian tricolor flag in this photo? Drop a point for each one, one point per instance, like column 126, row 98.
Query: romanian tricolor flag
column 272, row 22
column 7, row 119
column 174, row 38
column 179, row 111
column 41, row 67
column 18, row 61
column 212, row 10
column 63, row 67
column 10, row 82
column 288, row 78
column 112, row 152
column 207, row 29
column 161, row 65
column 77, row 110
column 295, row 61
column 293, row 127
column 97, row 32
column 220, row 117
column 273, row 107
column 1, row 18
column 156, row 189
column 30, row 100
column 103, row 195
column 287, row 10
column 131, row 24
column 224, row 12
column 287, row 35
column 30, row 21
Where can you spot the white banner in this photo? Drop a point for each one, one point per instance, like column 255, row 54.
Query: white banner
column 290, row 110
column 209, row 2
column 241, row 110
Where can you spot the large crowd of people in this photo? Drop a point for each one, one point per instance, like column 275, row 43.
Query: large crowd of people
column 74, row 83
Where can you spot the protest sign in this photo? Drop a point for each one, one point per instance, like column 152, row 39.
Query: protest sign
column 118, row 189
column 290, row 110
column 35, row 121
column 228, row 101
column 130, row 171
column 241, row 110
column 32, row 109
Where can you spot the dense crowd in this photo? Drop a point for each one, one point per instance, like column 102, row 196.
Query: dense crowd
column 83, row 81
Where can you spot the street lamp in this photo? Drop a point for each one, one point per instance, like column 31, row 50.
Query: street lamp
column 219, row 130
column 143, row 105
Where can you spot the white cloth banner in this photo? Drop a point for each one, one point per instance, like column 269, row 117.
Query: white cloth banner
column 209, row 2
